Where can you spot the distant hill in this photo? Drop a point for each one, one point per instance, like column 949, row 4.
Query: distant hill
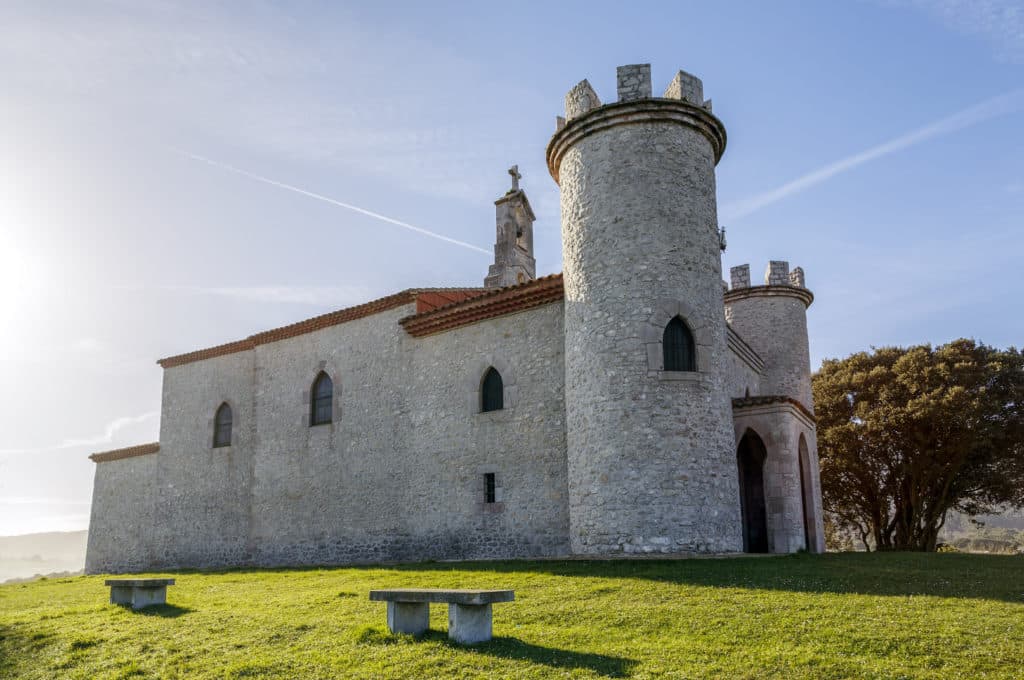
column 1002, row 533
column 32, row 554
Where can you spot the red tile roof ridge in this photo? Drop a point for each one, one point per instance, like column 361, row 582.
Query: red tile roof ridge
column 407, row 296
column 129, row 452
column 492, row 292
column 496, row 302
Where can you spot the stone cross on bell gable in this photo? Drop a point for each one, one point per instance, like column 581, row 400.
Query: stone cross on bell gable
column 514, row 171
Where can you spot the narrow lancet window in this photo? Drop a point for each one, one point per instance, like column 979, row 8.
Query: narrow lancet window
column 492, row 392
column 678, row 346
column 490, row 489
column 222, row 426
column 322, row 400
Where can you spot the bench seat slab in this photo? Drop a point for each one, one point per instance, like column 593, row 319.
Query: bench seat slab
column 140, row 582
column 441, row 596
column 411, row 618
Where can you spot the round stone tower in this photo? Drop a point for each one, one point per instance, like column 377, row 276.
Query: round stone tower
column 651, row 452
column 773, row 320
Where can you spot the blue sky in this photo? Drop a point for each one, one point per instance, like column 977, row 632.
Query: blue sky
column 878, row 145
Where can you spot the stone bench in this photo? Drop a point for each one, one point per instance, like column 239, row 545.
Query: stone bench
column 139, row 592
column 469, row 611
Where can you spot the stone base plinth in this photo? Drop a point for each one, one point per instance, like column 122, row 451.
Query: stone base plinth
column 469, row 624
column 410, row 618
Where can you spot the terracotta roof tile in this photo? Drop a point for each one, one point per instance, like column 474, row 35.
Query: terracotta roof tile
column 130, row 452
column 425, row 299
column 490, row 304
column 430, row 300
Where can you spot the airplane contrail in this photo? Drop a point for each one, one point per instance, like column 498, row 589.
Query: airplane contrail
column 332, row 201
column 1002, row 105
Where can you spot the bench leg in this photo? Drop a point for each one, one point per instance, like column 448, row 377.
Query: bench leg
column 468, row 624
column 120, row 594
column 411, row 618
column 145, row 597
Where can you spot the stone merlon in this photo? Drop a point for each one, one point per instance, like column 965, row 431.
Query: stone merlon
column 580, row 99
column 777, row 273
column 740, row 276
column 634, row 82
column 687, row 87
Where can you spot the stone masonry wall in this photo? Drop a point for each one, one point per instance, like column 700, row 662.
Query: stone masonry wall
column 776, row 327
column 202, row 496
column 780, row 427
column 740, row 378
column 398, row 475
column 122, row 515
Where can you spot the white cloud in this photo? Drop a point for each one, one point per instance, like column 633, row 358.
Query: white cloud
column 999, row 22
column 1011, row 102
column 110, row 432
column 204, row 69
column 335, row 296
column 87, row 345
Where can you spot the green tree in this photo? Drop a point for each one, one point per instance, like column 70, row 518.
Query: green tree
column 907, row 434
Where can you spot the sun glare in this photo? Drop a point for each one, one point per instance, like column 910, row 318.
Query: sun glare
column 18, row 283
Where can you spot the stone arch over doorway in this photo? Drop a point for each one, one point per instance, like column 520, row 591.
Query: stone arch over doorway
column 750, row 461
column 807, row 497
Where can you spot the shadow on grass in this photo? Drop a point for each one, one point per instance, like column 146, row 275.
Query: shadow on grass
column 7, row 643
column 19, row 644
column 164, row 611
column 517, row 650
column 959, row 575
column 955, row 575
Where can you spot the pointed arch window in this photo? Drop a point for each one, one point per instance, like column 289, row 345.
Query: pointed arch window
column 222, row 426
column 321, row 400
column 678, row 347
column 492, row 391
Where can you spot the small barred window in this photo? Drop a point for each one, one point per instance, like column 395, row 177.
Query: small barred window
column 490, row 490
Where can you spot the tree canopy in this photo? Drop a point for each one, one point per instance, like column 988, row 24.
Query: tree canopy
column 907, row 434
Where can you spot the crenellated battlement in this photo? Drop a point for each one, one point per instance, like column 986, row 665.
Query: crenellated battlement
column 777, row 274
column 634, row 84
column 777, row 278
column 682, row 104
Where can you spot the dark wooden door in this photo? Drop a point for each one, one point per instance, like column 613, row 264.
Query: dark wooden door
column 750, row 459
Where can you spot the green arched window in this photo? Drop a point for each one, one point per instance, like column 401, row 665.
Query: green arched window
column 678, row 346
column 492, row 391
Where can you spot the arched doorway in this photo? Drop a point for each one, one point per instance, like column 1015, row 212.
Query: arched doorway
column 750, row 457
column 807, row 498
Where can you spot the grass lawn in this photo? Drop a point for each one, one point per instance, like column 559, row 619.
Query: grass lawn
column 800, row 616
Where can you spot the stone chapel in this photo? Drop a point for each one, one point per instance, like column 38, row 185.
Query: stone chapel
column 633, row 404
